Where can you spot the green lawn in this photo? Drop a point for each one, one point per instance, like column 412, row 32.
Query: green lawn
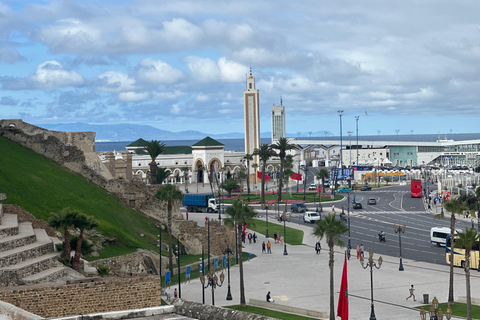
column 309, row 197
column 458, row 310
column 41, row 186
column 270, row 313
column 294, row 236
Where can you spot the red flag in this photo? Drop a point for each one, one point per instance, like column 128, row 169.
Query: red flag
column 342, row 308
column 259, row 176
column 296, row 176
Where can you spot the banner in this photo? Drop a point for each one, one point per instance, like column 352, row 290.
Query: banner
column 259, row 176
column 296, row 176
column 342, row 308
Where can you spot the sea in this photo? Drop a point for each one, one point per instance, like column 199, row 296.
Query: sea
column 238, row 145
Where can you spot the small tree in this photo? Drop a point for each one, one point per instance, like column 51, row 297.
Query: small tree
column 63, row 220
column 162, row 174
column 387, row 179
column 265, row 152
column 170, row 194
column 82, row 222
column 229, row 185
column 154, row 148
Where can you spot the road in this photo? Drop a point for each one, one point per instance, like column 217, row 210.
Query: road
column 394, row 206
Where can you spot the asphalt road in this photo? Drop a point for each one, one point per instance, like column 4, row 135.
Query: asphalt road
column 394, row 206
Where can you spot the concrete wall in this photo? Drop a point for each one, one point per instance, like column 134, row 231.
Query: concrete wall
column 87, row 296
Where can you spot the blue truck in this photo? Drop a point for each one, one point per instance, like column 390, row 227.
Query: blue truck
column 200, row 203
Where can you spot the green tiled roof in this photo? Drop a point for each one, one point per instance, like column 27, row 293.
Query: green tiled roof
column 141, row 152
column 208, row 142
column 139, row 143
column 177, row 150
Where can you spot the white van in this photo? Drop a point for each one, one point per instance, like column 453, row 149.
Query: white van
column 311, row 216
column 439, row 235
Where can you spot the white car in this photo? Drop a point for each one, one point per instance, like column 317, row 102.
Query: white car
column 311, row 216
column 312, row 187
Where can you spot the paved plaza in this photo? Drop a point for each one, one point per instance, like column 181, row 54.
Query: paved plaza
column 301, row 279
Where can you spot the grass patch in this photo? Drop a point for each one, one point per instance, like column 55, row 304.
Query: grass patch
column 458, row 310
column 294, row 236
column 270, row 313
column 41, row 187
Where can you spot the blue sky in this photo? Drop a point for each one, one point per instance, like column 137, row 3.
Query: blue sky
column 181, row 65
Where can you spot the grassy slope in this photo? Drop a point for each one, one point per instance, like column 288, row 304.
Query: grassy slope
column 41, row 186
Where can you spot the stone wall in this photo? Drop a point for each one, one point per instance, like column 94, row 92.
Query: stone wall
column 25, row 216
column 207, row 312
column 87, row 296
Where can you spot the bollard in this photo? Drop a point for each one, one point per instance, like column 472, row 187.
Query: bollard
column 425, row 298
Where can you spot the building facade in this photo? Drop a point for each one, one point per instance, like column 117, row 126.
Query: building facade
column 278, row 122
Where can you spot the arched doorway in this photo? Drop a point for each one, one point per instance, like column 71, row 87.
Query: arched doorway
column 199, row 170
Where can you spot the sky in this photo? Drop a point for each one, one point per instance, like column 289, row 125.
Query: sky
column 411, row 66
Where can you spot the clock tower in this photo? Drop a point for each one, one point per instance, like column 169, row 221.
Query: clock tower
column 252, row 119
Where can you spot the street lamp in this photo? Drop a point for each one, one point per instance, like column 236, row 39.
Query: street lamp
column 284, row 234
column 228, row 252
column 356, row 119
column 212, row 281
column 266, row 218
column 350, row 135
column 432, row 312
column 340, row 113
column 400, row 230
column 178, row 270
column 160, row 227
column 348, row 210
column 371, row 264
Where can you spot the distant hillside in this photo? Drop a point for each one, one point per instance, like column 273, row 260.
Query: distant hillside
column 131, row 132
column 41, row 187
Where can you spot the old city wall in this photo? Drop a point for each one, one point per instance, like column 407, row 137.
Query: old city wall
column 87, row 296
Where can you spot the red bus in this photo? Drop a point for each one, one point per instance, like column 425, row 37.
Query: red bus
column 416, row 189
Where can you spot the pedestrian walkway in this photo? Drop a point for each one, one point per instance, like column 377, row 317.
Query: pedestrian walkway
column 301, row 279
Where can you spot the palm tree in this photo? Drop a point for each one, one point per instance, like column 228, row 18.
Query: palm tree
column 468, row 240
column 63, row 220
column 265, row 152
column 240, row 215
column 282, row 146
column 229, row 185
column 82, row 222
column 162, row 174
column 287, row 173
column 248, row 158
column 322, row 175
column 154, row 148
column 170, row 194
column 454, row 206
column 332, row 229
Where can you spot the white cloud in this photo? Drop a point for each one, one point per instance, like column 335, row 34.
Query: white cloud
column 207, row 70
column 131, row 96
column 51, row 74
column 201, row 98
column 113, row 81
column 157, row 71
column 175, row 109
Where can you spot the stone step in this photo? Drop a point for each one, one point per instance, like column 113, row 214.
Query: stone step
column 9, row 225
column 24, row 237
column 42, row 246
column 48, row 275
column 1, row 210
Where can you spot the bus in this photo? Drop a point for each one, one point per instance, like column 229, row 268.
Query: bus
column 459, row 254
column 416, row 189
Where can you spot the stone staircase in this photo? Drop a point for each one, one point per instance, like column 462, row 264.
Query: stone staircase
column 27, row 255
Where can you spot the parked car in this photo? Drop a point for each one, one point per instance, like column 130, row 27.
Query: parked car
column 312, row 187
column 357, row 205
column 372, row 201
column 366, row 188
column 311, row 216
column 344, row 189
column 298, row 207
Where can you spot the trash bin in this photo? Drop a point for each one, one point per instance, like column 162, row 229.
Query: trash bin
column 425, row 298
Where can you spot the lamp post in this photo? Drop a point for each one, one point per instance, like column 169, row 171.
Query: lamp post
column 348, row 210
column 178, row 269
column 350, row 135
column 211, row 280
column 371, row 264
column 228, row 252
column 304, row 169
column 400, row 230
column 340, row 113
column 266, row 217
column 284, row 234
column 186, row 180
column 432, row 312
column 356, row 119
column 160, row 254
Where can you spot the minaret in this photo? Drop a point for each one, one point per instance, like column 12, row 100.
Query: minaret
column 252, row 118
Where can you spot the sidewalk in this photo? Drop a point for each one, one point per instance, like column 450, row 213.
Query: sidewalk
column 301, row 279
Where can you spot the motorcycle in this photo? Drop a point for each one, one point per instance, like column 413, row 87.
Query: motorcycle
column 381, row 237
column 343, row 217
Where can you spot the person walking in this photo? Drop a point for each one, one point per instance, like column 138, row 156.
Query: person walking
column 318, row 247
column 358, row 252
column 254, row 237
column 263, row 247
column 269, row 247
column 361, row 249
column 333, row 208
column 412, row 293
column 175, row 294
column 249, row 238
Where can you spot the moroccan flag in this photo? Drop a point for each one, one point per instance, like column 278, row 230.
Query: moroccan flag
column 296, row 176
column 259, row 176
column 342, row 308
